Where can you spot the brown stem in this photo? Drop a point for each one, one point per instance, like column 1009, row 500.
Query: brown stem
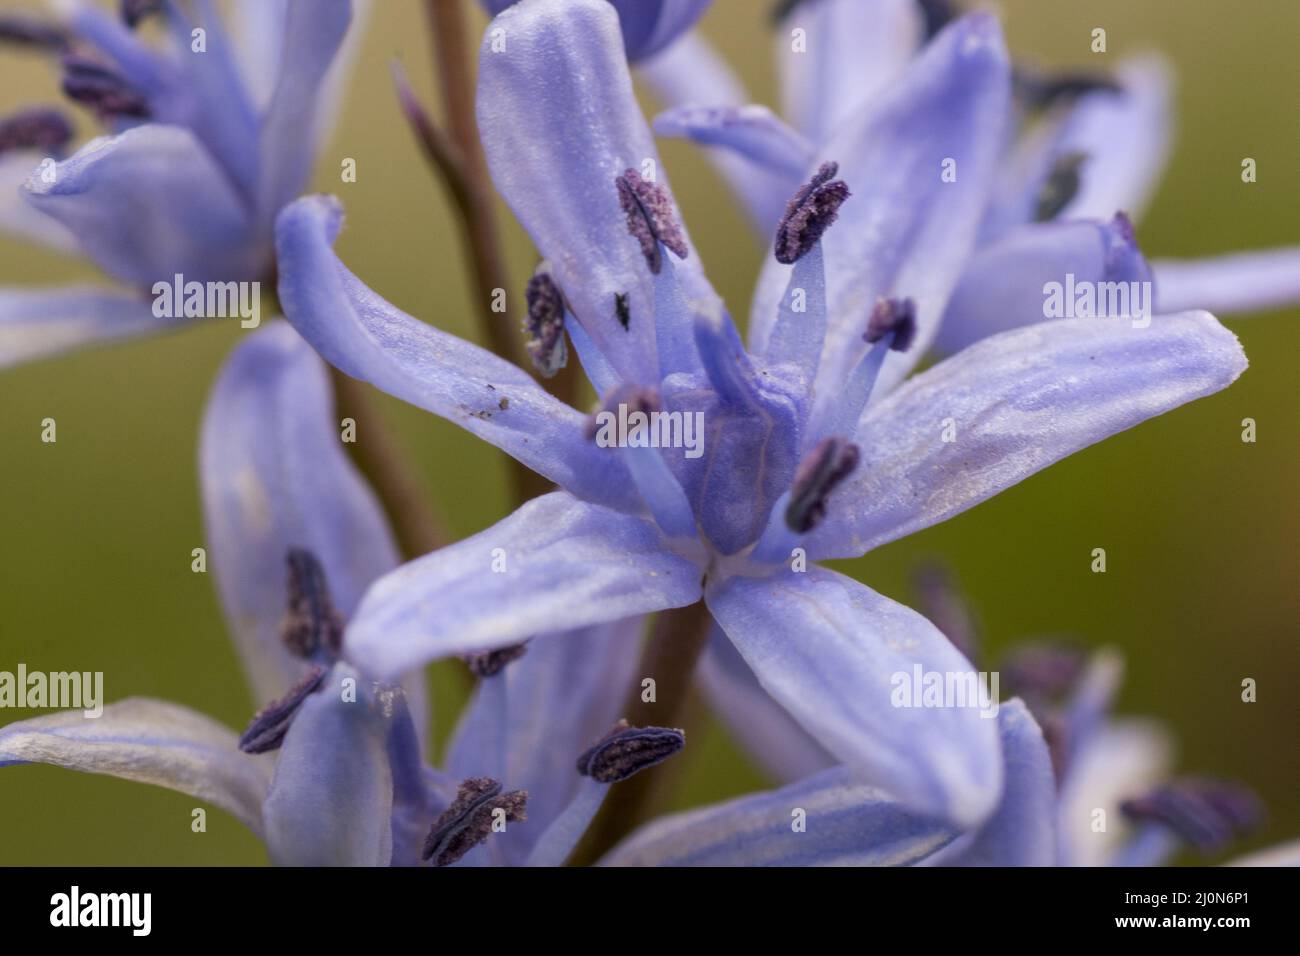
column 670, row 656
column 459, row 158
column 379, row 457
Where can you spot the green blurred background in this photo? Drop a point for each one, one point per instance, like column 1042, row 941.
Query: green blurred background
column 1200, row 529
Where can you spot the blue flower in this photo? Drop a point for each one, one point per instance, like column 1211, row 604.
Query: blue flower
column 1061, row 770
column 1084, row 159
column 648, row 25
column 811, row 452
column 331, row 773
column 205, row 146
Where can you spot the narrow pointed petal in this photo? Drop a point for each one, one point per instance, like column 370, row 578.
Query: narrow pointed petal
column 848, row 54
column 1022, row 832
column 331, row 799
column 367, row 338
column 1241, row 282
column 906, row 232
column 148, row 741
column 1124, row 758
column 275, row 476
column 257, row 28
column 527, row 725
column 1018, row 401
column 213, row 100
column 840, row 680
column 690, row 72
column 1004, row 286
column 847, row 824
column 38, row 323
column 313, row 33
column 562, row 835
column 567, row 565
column 752, row 131
column 559, row 124
column 766, row 729
column 150, row 203
column 18, row 217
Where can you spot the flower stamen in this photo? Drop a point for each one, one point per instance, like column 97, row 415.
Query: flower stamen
column 40, row 129
column 470, row 818
column 650, row 219
column 828, row 464
column 627, row 750
column 545, row 325
column 267, row 729
column 311, row 628
column 809, row 214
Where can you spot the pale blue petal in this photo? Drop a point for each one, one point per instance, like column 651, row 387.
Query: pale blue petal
column 765, row 728
column 18, row 217
column 562, row 833
column 148, row 741
column 38, row 323
column 559, row 124
column 150, row 203
column 752, row 131
column 1284, row 854
column 369, row 339
column 217, row 106
column 275, row 476
column 313, row 33
column 834, row 653
column 1016, row 402
column 1022, row 832
column 648, row 26
column 847, row 823
column 257, row 27
column 567, row 565
column 848, row 54
column 1241, row 282
column 1123, row 759
column 1004, row 285
column 331, row 799
column 905, row 232
column 527, row 725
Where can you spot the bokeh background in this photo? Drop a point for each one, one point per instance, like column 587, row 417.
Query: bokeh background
column 1201, row 530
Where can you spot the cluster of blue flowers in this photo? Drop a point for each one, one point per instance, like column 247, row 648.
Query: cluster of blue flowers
column 903, row 226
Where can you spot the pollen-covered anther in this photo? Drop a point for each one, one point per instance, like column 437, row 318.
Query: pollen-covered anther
column 268, row 727
column 809, row 214
column 627, row 750
column 101, row 88
column 311, row 627
column 135, row 12
column 491, row 663
column 624, row 400
column 470, row 819
column 896, row 317
column 822, row 469
column 545, row 325
column 34, row 34
column 650, row 218
column 1207, row 813
column 40, row 129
